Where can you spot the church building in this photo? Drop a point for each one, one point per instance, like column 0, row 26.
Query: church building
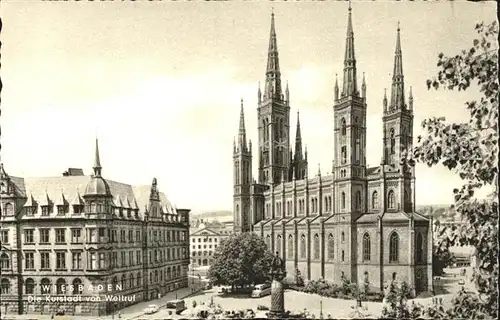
column 360, row 221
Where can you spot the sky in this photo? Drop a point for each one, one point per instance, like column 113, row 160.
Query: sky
column 160, row 84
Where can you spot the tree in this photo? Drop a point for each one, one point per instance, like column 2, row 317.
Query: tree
column 441, row 259
column 471, row 150
column 242, row 259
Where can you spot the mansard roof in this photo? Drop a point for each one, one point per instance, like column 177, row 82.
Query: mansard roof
column 58, row 190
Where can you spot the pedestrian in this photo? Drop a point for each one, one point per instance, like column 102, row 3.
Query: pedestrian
column 52, row 316
column 119, row 315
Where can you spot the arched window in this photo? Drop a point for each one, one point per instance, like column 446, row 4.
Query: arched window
column 237, row 215
column 5, row 285
column 343, row 255
column 391, row 201
column 29, row 286
column 343, row 127
column 342, row 200
column 330, row 203
column 331, row 247
column 316, row 247
column 358, row 199
column 278, row 245
column 302, row 246
column 61, row 286
column 93, row 207
column 9, row 209
column 374, row 200
column 420, row 248
column 342, row 237
column 124, row 280
column 4, row 261
column 393, row 142
column 139, row 278
column 77, row 286
column 290, row 247
column 366, row 247
column 45, row 286
column 394, row 247
column 268, row 241
column 131, row 280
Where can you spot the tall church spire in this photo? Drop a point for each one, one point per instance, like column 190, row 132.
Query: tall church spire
column 397, row 91
column 242, row 136
column 298, row 140
column 350, row 82
column 273, row 76
column 97, row 160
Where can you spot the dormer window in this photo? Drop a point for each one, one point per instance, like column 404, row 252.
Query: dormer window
column 30, row 211
column 121, row 212
column 129, row 213
column 62, row 210
column 46, row 210
column 78, row 209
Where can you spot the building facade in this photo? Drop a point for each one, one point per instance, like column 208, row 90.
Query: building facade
column 85, row 240
column 204, row 240
column 359, row 222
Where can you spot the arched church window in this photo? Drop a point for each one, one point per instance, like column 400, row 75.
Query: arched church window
column 302, row 246
column 290, row 247
column 374, row 200
column 358, row 199
column 366, row 247
column 342, row 197
column 316, row 246
column 391, row 200
column 268, row 241
column 342, row 237
column 393, row 142
column 343, row 127
column 420, row 248
column 278, row 245
column 394, row 247
column 331, row 248
column 237, row 215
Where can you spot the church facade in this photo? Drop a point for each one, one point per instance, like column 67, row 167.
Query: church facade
column 360, row 221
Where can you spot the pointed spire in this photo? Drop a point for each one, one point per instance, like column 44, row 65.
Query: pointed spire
column 242, row 137
column 273, row 75
column 259, row 94
column 397, row 92
column 97, row 160
column 410, row 100
column 319, row 169
column 298, row 140
column 30, row 202
column 287, row 93
column 77, row 200
column 306, row 152
column 363, row 87
column 60, row 200
column 336, row 87
column 350, row 86
column 385, row 100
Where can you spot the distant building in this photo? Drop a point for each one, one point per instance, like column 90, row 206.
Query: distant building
column 87, row 236
column 360, row 221
column 204, row 240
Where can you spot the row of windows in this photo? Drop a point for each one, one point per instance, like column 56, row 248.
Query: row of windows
column 204, row 239
column 366, row 247
column 201, row 253
column 95, row 260
column 204, row 246
column 124, row 282
column 94, row 235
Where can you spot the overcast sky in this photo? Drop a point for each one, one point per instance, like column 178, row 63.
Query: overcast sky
column 160, row 83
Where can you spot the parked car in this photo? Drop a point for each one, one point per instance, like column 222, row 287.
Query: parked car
column 176, row 305
column 152, row 308
column 261, row 290
column 224, row 289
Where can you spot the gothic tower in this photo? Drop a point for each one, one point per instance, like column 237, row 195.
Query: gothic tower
column 273, row 121
column 242, row 178
column 349, row 154
column 398, row 125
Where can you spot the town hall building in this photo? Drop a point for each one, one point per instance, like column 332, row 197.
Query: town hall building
column 360, row 221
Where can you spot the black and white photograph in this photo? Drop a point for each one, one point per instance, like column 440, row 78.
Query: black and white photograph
column 248, row 159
